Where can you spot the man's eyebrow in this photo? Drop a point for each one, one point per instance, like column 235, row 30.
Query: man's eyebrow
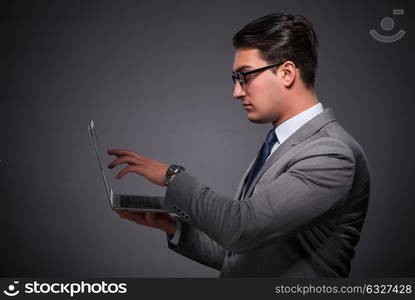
column 242, row 68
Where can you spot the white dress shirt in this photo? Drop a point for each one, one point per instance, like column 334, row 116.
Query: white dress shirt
column 288, row 127
column 283, row 132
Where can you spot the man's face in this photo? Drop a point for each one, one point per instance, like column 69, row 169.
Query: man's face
column 262, row 94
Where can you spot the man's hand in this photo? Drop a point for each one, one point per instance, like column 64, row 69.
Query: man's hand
column 153, row 170
column 161, row 221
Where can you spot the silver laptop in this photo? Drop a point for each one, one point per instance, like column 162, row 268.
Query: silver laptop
column 119, row 201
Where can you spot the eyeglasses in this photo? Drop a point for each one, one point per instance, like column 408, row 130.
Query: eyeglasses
column 241, row 76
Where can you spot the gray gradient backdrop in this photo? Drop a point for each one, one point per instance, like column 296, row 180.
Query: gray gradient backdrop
column 156, row 79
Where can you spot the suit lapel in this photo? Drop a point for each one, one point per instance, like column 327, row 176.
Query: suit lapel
column 303, row 133
column 242, row 182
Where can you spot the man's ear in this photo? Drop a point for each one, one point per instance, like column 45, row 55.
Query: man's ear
column 288, row 73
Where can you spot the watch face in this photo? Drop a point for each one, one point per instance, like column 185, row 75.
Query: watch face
column 173, row 169
column 176, row 168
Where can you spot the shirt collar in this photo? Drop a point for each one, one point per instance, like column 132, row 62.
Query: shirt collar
column 288, row 127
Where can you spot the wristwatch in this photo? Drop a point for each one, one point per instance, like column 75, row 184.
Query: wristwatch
column 172, row 170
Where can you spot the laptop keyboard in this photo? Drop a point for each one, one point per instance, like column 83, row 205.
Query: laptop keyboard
column 145, row 202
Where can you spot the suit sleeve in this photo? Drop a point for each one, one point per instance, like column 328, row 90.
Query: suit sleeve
column 314, row 185
column 197, row 246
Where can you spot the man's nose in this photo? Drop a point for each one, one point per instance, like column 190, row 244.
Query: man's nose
column 238, row 91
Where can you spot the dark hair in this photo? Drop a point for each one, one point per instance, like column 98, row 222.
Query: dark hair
column 280, row 37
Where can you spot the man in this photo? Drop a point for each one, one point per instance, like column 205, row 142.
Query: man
column 301, row 204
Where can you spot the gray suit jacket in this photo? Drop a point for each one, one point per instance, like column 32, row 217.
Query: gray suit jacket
column 301, row 217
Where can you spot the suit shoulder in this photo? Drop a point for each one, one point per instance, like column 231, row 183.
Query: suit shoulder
column 324, row 144
column 336, row 131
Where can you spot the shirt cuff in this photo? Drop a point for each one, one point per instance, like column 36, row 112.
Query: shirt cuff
column 176, row 237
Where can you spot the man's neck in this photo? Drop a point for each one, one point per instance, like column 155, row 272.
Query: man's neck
column 297, row 107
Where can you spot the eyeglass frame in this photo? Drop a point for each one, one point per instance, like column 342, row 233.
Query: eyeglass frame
column 242, row 80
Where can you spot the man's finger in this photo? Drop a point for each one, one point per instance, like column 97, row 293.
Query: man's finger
column 134, row 214
column 121, row 152
column 119, row 213
column 151, row 219
column 126, row 170
column 123, row 216
column 124, row 159
column 136, row 217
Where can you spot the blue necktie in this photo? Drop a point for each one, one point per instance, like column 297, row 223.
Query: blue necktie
column 262, row 157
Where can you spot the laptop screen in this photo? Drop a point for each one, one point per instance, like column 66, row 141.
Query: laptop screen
column 98, row 153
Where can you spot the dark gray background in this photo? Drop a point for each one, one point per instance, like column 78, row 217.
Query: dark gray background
column 156, row 79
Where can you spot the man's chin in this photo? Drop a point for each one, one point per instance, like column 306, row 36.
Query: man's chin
column 257, row 120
